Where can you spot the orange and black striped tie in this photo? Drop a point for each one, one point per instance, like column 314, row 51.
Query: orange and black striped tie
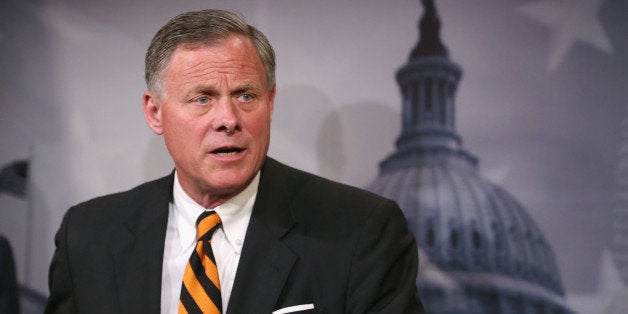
column 200, row 291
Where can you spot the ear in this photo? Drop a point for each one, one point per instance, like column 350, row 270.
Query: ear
column 152, row 112
column 271, row 100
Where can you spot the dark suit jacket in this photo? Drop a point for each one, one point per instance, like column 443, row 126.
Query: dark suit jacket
column 9, row 294
column 309, row 241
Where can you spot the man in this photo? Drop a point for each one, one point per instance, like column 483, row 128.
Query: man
column 283, row 241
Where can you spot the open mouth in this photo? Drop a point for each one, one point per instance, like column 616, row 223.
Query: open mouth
column 227, row 151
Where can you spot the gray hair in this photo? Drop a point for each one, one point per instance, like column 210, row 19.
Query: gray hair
column 202, row 28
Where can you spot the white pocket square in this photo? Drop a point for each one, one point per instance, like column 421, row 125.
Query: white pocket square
column 294, row 308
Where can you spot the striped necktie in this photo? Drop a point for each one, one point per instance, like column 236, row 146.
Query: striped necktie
column 200, row 291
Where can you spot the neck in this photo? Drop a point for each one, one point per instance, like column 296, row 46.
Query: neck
column 206, row 196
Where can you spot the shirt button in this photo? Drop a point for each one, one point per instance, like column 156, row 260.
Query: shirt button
column 239, row 242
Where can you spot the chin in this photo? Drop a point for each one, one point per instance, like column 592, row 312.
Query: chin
column 233, row 182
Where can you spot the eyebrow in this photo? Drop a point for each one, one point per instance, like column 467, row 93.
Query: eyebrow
column 203, row 89
column 211, row 89
column 244, row 87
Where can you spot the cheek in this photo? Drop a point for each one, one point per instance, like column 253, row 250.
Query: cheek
column 179, row 121
column 183, row 133
column 260, row 130
column 260, row 122
column 262, row 134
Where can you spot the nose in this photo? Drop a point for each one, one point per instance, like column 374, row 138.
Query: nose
column 225, row 117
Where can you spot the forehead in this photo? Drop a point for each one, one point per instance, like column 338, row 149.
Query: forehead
column 233, row 55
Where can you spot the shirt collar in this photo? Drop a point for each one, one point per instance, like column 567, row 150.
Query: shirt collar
column 235, row 214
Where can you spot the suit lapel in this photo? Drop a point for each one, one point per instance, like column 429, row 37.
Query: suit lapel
column 138, row 249
column 264, row 266
column 266, row 261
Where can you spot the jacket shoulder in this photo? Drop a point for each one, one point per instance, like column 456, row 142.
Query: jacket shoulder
column 309, row 188
column 119, row 204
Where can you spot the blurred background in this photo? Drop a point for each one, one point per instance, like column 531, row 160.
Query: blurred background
column 541, row 103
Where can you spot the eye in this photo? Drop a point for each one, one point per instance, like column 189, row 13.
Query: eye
column 246, row 97
column 203, row 100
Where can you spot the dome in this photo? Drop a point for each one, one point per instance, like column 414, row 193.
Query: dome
column 480, row 250
column 474, row 232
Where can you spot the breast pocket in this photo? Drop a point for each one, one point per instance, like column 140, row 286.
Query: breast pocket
column 301, row 308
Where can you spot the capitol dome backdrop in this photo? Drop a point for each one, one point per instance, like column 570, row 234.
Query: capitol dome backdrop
column 480, row 251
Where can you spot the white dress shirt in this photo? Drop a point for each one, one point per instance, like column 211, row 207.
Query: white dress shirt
column 226, row 242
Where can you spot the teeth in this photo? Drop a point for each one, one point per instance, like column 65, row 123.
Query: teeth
column 226, row 153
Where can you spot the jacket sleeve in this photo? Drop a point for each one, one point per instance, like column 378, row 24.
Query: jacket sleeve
column 385, row 264
column 61, row 298
column 9, row 295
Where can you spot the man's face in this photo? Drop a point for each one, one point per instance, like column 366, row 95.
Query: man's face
column 214, row 112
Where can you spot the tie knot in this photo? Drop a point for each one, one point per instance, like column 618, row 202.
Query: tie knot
column 206, row 224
